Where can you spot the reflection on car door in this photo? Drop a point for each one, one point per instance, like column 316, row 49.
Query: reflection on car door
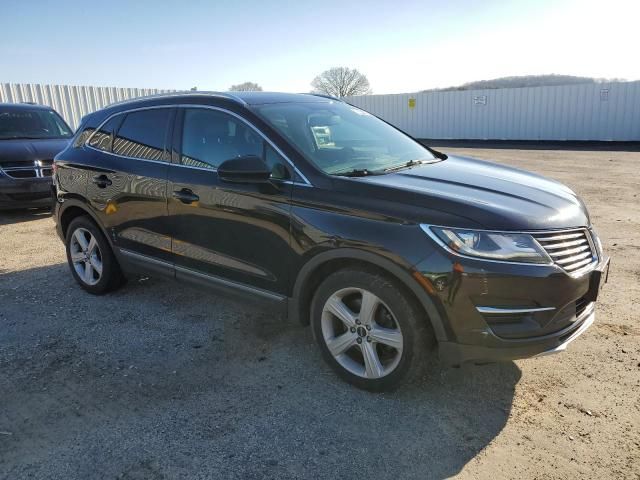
column 234, row 232
column 128, row 189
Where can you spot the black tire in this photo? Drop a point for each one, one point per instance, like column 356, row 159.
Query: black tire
column 111, row 276
column 418, row 340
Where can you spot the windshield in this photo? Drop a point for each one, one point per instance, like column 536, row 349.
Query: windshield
column 340, row 139
column 31, row 123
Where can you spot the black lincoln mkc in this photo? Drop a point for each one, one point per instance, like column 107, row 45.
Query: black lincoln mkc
column 388, row 248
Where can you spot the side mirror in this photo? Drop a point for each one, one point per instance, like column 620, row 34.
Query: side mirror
column 245, row 169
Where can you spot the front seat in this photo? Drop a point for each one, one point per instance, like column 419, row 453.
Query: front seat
column 215, row 138
column 208, row 141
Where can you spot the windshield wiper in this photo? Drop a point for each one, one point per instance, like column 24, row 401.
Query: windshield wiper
column 357, row 172
column 409, row 164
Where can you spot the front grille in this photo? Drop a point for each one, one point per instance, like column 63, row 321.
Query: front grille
column 572, row 250
column 20, row 173
column 35, row 169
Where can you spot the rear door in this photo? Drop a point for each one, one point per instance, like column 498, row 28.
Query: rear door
column 128, row 181
column 230, row 231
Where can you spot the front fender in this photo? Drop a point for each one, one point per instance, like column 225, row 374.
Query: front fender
column 297, row 304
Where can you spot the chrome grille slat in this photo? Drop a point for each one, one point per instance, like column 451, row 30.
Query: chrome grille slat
column 35, row 169
column 563, row 253
column 574, row 258
column 554, row 246
column 571, row 250
column 582, row 263
column 560, row 237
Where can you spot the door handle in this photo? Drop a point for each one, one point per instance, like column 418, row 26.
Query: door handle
column 101, row 181
column 185, row 196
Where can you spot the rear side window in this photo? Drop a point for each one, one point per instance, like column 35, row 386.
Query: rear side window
column 142, row 134
column 103, row 138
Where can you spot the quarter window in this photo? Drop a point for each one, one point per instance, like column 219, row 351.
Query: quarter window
column 142, row 134
column 83, row 137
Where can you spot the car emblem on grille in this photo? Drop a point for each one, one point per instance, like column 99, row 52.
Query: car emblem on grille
column 37, row 164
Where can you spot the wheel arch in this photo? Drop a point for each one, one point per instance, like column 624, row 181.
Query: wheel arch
column 72, row 209
column 323, row 264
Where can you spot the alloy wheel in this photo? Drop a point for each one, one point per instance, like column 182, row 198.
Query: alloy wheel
column 361, row 333
column 86, row 256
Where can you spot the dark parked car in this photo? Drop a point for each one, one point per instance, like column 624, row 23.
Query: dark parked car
column 30, row 136
column 386, row 247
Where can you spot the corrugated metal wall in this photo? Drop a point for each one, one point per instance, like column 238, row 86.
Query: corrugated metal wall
column 602, row 111
column 72, row 102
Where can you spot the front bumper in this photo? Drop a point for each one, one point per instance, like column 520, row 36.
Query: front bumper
column 24, row 193
column 540, row 308
column 456, row 353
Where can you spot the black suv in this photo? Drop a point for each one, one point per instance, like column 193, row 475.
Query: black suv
column 386, row 247
column 30, row 136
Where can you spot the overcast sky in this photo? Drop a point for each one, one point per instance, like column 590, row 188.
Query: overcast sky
column 402, row 46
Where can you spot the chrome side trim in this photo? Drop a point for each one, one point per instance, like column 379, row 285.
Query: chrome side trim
column 512, row 311
column 131, row 158
column 210, row 107
column 563, row 346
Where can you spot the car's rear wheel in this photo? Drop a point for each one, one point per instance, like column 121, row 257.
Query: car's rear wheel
column 369, row 330
column 90, row 257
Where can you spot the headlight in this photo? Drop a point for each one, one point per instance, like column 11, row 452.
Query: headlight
column 500, row 246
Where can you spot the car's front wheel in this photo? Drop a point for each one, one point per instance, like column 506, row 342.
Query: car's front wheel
column 369, row 330
column 90, row 257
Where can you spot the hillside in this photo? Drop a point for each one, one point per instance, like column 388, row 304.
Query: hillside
column 524, row 81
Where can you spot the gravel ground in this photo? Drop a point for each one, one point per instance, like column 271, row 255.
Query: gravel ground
column 162, row 381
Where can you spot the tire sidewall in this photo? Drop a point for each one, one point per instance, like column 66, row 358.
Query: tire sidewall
column 416, row 342
column 109, row 265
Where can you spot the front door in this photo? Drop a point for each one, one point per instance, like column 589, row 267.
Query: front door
column 238, row 233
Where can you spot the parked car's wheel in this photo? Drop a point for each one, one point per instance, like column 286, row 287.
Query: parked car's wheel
column 371, row 333
column 90, row 257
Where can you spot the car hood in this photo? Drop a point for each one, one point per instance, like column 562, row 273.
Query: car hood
column 23, row 150
column 494, row 196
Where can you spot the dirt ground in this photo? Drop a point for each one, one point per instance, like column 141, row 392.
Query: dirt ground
column 161, row 381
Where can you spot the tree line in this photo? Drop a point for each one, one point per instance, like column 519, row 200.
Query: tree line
column 344, row 82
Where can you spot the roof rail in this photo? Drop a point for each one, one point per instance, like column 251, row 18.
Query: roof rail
column 181, row 93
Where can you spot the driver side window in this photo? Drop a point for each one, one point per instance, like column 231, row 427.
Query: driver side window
column 209, row 137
